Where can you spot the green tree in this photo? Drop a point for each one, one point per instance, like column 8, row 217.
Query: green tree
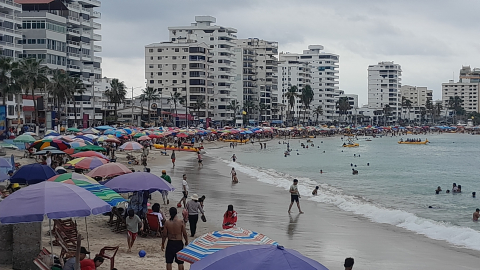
column 58, row 89
column 234, row 105
column 343, row 105
column 318, row 111
column 33, row 76
column 429, row 108
column 249, row 106
column 176, row 98
column 150, row 94
column 456, row 105
column 386, row 113
column 198, row 105
column 437, row 110
column 306, row 98
column 8, row 78
column 116, row 94
column 291, row 96
column 75, row 86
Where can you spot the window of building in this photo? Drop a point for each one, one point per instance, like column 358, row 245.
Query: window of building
column 174, row 57
column 184, row 81
column 159, row 58
column 150, row 50
column 159, row 73
column 159, row 65
column 184, row 73
column 150, row 66
column 11, row 109
column 185, row 49
column 184, row 57
column 159, row 50
column 159, row 81
column 174, row 81
column 177, row 49
column 174, row 73
column 151, row 57
column 212, row 38
column 10, row 97
column 152, row 81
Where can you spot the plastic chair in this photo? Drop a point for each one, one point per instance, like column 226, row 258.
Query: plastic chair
column 109, row 253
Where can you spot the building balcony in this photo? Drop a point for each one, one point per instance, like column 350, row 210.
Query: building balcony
column 11, row 31
column 86, row 23
column 86, row 34
column 74, row 44
column 74, row 7
column 97, row 59
column 73, row 20
column 97, row 70
column 73, row 32
column 97, row 48
column 8, row 44
column 96, row 26
column 97, row 37
column 86, row 57
column 73, row 68
column 12, row 4
column 96, row 14
column 94, row 3
column 74, row 56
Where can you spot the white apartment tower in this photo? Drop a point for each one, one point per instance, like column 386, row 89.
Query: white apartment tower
column 384, row 83
column 322, row 76
column 180, row 67
column 63, row 33
column 256, row 81
column 10, row 32
column 221, row 42
column 418, row 95
column 467, row 88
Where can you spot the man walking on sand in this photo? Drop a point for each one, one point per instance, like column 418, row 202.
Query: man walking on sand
column 174, row 231
column 184, row 191
column 295, row 196
column 165, row 192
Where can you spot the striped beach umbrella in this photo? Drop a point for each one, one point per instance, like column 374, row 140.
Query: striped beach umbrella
column 59, row 144
column 89, row 154
column 88, row 183
column 212, row 242
column 131, row 146
column 77, row 144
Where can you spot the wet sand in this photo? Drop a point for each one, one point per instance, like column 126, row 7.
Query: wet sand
column 324, row 232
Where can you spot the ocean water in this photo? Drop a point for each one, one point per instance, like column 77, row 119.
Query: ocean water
column 396, row 188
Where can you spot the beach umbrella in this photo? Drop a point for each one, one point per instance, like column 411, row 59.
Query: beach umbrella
column 138, row 181
column 90, row 148
column 144, row 138
column 88, row 163
column 55, row 200
column 51, row 149
column 77, row 144
column 131, row 146
column 140, row 134
column 102, row 138
column 89, row 154
column 107, row 195
column 182, row 135
column 210, row 243
column 32, row 174
column 264, row 257
column 4, row 176
column 109, row 170
column 113, row 140
column 8, row 146
column 103, row 127
column 90, row 131
column 5, row 163
column 24, row 138
column 58, row 144
column 30, row 133
column 72, row 129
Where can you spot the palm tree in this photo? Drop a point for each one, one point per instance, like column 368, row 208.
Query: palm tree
column 235, row 106
column 116, row 94
column 176, row 98
column 33, row 76
column 249, row 106
column 456, row 105
column 437, row 110
column 150, row 94
column 262, row 107
column 58, row 88
column 386, row 113
column 408, row 104
column 343, row 105
column 306, row 97
column 291, row 96
column 198, row 105
column 318, row 111
column 8, row 82
column 429, row 108
column 75, row 86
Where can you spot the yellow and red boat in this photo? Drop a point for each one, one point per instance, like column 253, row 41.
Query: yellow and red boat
column 422, row 142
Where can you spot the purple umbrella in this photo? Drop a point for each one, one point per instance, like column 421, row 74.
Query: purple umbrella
column 56, row 200
column 256, row 257
column 32, row 174
column 138, row 181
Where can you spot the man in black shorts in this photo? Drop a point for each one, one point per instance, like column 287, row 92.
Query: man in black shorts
column 295, row 196
column 174, row 230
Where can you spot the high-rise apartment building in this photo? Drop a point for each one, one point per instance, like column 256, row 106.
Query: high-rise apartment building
column 384, row 83
column 256, row 81
column 10, row 30
column 467, row 88
column 418, row 95
column 321, row 73
column 180, row 67
column 221, row 43
column 63, row 34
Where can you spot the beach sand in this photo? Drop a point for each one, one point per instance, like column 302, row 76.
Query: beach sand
column 324, row 233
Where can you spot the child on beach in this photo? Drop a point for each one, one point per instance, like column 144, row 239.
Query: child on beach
column 229, row 218
column 234, row 176
column 132, row 222
column 314, row 192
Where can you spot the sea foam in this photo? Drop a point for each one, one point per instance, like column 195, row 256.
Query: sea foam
column 456, row 235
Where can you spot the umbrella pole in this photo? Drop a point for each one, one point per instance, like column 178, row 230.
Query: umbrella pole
column 50, row 233
column 86, row 228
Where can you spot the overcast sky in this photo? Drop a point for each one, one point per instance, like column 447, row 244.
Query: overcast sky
column 430, row 39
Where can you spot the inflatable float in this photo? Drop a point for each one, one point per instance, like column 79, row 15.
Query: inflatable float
column 182, row 148
column 422, row 142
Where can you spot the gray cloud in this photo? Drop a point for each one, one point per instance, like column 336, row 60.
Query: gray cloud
column 431, row 39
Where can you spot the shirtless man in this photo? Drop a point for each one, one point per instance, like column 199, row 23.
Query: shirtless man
column 476, row 215
column 174, row 230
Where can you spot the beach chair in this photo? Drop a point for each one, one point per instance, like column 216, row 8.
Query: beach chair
column 109, row 253
column 44, row 260
column 67, row 243
column 154, row 224
column 119, row 221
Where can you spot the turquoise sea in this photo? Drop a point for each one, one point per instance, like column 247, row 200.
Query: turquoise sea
column 396, row 188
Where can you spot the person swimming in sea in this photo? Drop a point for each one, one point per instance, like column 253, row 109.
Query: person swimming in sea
column 314, row 192
column 354, row 172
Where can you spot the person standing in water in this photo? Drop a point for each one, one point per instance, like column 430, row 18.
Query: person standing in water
column 234, row 176
column 234, row 158
column 476, row 214
column 294, row 196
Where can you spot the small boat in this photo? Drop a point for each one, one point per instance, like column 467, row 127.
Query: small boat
column 422, row 142
column 351, row 145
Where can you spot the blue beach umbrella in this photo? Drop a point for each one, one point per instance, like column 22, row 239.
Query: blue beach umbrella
column 103, row 127
column 32, row 174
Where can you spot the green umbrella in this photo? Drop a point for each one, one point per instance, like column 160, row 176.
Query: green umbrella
column 24, row 138
column 8, row 146
column 73, row 129
column 90, row 148
column 138, row 135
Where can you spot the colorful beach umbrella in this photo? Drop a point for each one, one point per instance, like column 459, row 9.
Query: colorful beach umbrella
column 144, row 138
column 103, row 127
column 32, row 173
column 89, row 154
column 24, row 138
column 109, row 170
column 77, row 144
column 55, row 200
column 210, row 243
column 88, row 183
column 90, row 148
column 90, row 131
column 72, row 129
column 131, row 146
column 31, row 133
column 138, row 181
column 264, row 257
column 88, row 163
column 58, row 144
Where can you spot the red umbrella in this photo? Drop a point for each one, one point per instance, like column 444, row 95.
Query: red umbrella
column 109, row 170
column 113, row 140
column 89, row 154
column 90, row 163
column 182, row 135
column 144, row 138
column 153, row 136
